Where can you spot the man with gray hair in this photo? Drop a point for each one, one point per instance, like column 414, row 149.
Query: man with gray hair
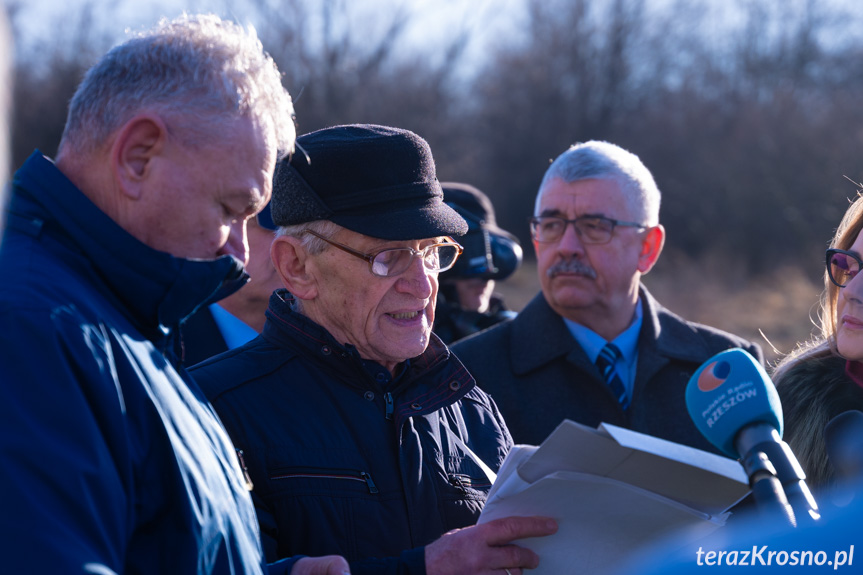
column 594, row 346
column 114, row 462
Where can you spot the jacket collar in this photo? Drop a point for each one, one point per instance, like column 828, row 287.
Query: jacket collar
column 540, row 336
column 155, row 289
column 665, row 337
column 433, row 379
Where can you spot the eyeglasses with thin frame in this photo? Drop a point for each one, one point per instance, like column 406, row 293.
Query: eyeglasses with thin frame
column 590, row 229
column 842, row 266
column 391, row 262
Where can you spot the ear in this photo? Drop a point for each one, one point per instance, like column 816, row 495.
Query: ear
column 292, row 263
column 651, row 247
column 138, row 143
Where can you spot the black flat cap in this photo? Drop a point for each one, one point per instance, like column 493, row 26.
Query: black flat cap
column 374, row 180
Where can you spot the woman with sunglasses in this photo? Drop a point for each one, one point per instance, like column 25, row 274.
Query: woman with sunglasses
column 824, row 376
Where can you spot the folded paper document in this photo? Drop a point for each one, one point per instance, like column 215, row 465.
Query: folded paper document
column 612, row 491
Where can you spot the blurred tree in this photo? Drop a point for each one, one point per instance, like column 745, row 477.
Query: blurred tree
column 6, row 51
column 746, row 112
column 579, row 72
column 754, row 143
column 346, row 63
column 743, row 117
column 46, row 79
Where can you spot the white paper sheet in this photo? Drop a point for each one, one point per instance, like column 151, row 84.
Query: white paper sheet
column 612, row 491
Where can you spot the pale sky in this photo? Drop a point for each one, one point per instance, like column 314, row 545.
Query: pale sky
column 435, row 21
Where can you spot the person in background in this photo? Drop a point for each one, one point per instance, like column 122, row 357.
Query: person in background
column 466, row 300
column 824, row 377
column 113, row 461
column 363, row 435
column 594, row 346
column 238, row 318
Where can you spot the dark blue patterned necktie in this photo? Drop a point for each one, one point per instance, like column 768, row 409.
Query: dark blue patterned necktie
column 605, row 362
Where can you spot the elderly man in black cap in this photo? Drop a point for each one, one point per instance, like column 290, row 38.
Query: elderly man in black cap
column 363, row 435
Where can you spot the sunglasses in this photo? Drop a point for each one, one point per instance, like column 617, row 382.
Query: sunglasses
column 842, row 266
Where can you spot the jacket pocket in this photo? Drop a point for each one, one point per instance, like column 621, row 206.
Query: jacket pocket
column 325, row 474
column 463, row 496
column 469, row 485
column 323, row 510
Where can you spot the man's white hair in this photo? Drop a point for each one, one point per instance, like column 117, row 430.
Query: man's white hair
column 605, row 161
column 198, row 71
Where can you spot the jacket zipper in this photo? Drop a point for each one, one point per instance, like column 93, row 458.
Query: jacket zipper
column 318, row 473
column 388, row 398
column 463, row 481
column 246, row 476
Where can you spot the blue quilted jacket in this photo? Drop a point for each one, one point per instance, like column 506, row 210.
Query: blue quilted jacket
column 346, row 459
column 113, row 461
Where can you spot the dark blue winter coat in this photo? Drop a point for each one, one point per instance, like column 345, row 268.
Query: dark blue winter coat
column 113, row 461
column 344, row 458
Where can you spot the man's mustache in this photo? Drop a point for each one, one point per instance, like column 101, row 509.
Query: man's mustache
column 573, row 266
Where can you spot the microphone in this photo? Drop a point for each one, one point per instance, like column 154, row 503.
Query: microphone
column 735, row 406
column 843, row 438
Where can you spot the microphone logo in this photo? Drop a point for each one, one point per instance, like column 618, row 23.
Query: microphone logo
column 736, row 407
column 714, row 375
column 729, row 391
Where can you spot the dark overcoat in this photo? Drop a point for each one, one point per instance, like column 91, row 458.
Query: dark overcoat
column 539, row 375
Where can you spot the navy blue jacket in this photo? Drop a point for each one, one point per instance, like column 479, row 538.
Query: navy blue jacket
column 539, row 375
column 345, row 459
column 200, row 337
column 113, row 461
